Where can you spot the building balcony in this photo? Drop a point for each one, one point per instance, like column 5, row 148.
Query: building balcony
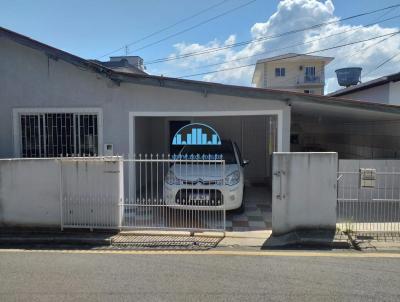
column 307, row 80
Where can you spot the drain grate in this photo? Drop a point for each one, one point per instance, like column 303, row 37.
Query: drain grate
column 172, row 242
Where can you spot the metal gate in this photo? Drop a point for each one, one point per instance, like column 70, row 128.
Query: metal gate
column 369, row 200
column 179, row 193
column 158, row 192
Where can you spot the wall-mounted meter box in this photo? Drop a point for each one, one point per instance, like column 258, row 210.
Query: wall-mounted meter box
column 108, row 150
column 367, row 178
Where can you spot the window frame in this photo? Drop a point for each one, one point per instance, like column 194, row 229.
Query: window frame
column 312, row 75
column 17, row 112
column 280, row 71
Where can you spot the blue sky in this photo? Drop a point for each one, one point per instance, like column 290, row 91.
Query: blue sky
column 93, row 28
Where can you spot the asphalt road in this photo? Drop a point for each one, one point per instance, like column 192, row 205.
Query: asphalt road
column 49, row 276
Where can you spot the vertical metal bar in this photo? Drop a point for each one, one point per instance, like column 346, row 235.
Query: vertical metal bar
column 223, row 201
column 384, row 203
column 165, row 201
column 392, row 202
column 61, row 197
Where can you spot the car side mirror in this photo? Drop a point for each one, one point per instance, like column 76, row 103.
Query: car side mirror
column 245, row 162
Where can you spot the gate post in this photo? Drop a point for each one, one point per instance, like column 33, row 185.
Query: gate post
column 304, row 191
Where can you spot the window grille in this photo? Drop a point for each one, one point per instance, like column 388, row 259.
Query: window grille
column 58, row 134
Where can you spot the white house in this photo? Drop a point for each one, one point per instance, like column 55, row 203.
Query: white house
column 384, row 90
column 293, row 72
column 53, row 103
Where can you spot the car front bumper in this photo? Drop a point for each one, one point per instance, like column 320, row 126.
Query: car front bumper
column 199, row 197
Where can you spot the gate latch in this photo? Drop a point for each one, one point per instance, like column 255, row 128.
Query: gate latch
column 367, row 178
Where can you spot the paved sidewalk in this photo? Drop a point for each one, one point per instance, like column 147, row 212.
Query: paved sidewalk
column 260, row 239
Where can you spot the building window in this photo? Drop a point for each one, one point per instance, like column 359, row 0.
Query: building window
column 279, row 72
column 58, row 134
column 310, row 91
column 310, row 73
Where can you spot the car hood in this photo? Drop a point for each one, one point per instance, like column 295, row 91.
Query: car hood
column 207, row 172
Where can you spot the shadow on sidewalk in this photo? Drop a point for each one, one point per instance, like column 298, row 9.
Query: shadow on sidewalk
column 307, row 239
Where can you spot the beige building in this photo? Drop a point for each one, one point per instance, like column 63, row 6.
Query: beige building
column 293, row 72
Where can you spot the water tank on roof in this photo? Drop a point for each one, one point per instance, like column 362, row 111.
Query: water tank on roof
column 348, row 76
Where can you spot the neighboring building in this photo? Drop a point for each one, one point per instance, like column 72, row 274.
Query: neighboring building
column 293, row 72
column 128, row 64
column 385, row 90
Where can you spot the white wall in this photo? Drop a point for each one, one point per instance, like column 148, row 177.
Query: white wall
column 377, row 94
column 304, row 196
column 30, row 192
column 30, row 188
column 394, row 93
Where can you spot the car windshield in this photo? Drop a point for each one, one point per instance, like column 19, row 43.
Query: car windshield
column 225, row 149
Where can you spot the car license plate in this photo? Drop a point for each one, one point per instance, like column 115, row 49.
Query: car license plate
column 199, row 197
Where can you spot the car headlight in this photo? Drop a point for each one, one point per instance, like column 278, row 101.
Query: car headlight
column 171, row 179
column 232, row 178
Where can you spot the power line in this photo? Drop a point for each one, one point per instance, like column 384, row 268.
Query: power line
column 381, row 16
column 196, row 25
column 288, row 57
column 380, row 65
column 304, row 43
column 166, row 28
column 261, row 39
column 363, row 47
column 373, row 44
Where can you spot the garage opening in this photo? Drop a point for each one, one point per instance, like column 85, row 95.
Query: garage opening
column 256, row 138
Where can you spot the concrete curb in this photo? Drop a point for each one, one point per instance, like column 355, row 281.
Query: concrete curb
column 54, row 240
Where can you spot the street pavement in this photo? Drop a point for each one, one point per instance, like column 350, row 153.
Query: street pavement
column 198, row 276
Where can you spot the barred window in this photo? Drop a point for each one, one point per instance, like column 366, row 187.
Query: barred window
column 58, row 134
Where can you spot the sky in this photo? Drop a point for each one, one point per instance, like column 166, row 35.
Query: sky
column 92, row 29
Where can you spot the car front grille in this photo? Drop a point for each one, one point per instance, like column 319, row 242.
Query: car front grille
column 199, row 197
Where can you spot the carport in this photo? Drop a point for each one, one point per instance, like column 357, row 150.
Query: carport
column 353, row 129
column 255, row 133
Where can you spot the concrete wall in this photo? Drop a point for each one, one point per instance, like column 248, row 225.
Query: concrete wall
column 304, row 195
column 30, row 188
column 32, row 80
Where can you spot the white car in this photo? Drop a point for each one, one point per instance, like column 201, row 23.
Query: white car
column 201, row 185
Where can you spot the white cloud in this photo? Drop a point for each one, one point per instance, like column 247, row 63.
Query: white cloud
column 294, row 15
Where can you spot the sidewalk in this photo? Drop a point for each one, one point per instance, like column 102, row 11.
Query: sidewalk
column 82, row 239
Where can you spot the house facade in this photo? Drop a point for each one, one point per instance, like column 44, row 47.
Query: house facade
column 292, row 72
column 56, row 104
